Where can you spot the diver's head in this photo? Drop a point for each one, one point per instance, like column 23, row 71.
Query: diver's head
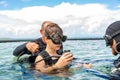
column 54, row 33
column 112, row 37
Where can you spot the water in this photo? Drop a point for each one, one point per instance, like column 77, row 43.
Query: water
column 93, row 51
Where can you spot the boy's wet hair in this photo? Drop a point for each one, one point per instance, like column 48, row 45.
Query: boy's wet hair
column 45, row 23
column 53, row 28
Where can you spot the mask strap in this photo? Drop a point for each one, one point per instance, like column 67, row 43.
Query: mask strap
column 115, row 33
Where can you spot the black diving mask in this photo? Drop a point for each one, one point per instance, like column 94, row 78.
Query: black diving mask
column 108, row 40
column 56, row 38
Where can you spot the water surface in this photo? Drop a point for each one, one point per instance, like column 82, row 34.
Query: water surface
column 93, row 51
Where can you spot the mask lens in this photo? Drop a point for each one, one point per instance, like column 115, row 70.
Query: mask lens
column 56, row 39
column 64, row 38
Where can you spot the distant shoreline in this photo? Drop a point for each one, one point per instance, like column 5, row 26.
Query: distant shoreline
column 23, row 40
column 85, row 39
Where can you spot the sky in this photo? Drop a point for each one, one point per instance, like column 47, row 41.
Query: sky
column 77, row 18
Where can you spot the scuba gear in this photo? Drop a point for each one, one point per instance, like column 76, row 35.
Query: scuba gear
column 116, row 71
column 117, row 63
column 117, row 48
column 109, row 38
column 56, row 38
column 66, row 51
column 112, row 32
column 55, row 33
column 47, row 57
column 112, row 38
column 32, row 56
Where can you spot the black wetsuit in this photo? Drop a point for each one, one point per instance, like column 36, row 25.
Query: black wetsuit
column 21, row 50
column 116, row 74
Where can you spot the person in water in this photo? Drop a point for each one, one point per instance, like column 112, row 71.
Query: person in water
column 112, row 39
column 48, row 60
column 34, row 47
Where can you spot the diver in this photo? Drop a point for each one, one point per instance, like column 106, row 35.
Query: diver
column 112, row 39
column 35, row 48
column 28, row 51
column 48, row 61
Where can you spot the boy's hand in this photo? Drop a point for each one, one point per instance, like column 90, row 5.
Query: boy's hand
column 64, row 60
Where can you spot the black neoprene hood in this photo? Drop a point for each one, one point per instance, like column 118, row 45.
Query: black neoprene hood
column 114, row 30
column 115, row 26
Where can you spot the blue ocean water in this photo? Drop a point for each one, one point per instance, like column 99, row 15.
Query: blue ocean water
column 90, row 51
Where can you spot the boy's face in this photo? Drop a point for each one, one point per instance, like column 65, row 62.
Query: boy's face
column 52, row 45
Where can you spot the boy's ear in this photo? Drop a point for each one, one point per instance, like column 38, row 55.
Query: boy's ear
column 41, row 31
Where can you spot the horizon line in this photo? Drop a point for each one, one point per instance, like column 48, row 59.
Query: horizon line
column 24, row 40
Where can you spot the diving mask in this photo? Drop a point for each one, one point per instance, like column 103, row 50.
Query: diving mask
column 108, row 40
column 56, row 38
